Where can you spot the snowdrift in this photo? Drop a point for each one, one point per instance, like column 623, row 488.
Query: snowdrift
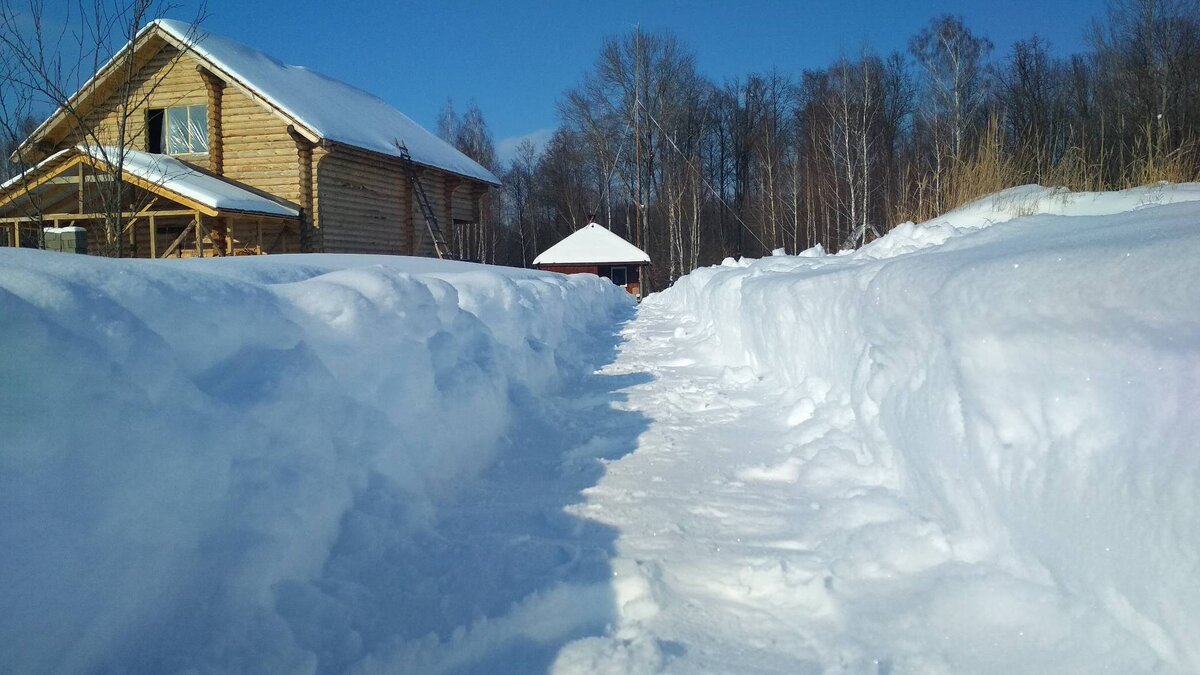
column 185, row 446
column 1017, row 481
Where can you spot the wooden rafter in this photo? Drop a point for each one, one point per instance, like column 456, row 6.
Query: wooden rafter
column 35, row 183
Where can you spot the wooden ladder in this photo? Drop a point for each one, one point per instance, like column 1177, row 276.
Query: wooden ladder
column 435, row 232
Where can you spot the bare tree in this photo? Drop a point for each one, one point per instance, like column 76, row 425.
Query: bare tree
column 49, row 66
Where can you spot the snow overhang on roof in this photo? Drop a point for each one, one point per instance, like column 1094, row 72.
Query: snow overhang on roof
column 592, row 244
column 162, row 173
column 331, row 109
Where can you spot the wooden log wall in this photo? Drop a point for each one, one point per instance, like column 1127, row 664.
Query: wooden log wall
column 214, row 88
column 258, row 150
column 165, row 81
column 366, row 205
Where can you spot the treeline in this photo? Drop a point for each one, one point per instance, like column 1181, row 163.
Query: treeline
column 694, row 170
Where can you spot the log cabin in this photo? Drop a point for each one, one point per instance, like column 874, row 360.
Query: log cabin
column 223, row 150
column 592, row 249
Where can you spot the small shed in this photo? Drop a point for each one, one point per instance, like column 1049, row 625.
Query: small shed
column 592, row 249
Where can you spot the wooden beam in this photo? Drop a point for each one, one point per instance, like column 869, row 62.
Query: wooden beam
column 199, row 238
column 16, row 235
column 96, row 216
column 278, row 238
column 219, row 237
column 176, row 244
column 153, row 237
column 134, row 218
column 81, row 193
column 29, row 186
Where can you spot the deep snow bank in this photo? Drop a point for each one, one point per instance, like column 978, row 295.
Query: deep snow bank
column 1029, row 391
column 184, row 445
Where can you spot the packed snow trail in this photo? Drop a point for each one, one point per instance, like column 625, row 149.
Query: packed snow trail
column 968, row 447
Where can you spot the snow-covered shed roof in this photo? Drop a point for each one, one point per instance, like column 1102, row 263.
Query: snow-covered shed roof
column 164, row 173
column 589, row 245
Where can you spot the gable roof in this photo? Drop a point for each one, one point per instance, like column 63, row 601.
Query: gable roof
column 164, row 175
column 326, row 108
column 592, row 244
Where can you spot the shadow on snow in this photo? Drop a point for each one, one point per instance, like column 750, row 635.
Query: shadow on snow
column 505, row 575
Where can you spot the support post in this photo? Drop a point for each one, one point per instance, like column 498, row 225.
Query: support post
column 219, row 237
column 153, row 238
column 199, row 237
column 16, row 235
column 258, row 247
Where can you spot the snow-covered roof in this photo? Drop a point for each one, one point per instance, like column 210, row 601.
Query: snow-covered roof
column 592, row 244
column 174, row 176
column 189, row 182
column 330, row 108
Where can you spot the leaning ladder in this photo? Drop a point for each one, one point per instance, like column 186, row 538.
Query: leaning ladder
column 435, row 232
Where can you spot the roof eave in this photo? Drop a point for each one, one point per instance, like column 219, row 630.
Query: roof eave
column 602, row 262
column 332, row 144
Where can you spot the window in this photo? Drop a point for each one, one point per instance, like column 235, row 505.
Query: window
column 177, row 131
column 619, row 276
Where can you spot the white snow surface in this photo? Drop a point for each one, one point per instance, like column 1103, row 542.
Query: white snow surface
column 333, row 109
column 592, row 244
column 255, row 465
column 968, row 447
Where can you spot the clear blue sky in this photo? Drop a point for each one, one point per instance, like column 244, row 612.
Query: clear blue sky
column 515, row 58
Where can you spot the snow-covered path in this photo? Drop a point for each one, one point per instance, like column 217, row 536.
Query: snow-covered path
column 964, row 448
column 950, row 452
column 714, row 569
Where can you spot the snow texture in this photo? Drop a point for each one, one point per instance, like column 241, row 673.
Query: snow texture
column 332, row 109
column 257, row 464
column 592, row 244
column 969, row 447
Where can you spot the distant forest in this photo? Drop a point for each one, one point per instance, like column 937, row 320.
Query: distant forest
column 838, row 156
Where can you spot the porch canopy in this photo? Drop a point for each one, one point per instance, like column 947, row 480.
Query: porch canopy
column 168, row 207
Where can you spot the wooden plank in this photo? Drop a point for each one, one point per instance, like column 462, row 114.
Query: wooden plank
column 34, row 184
column 95, row 216
column 178, row 241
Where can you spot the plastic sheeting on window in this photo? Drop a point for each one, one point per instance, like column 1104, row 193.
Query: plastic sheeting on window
column 187, row 130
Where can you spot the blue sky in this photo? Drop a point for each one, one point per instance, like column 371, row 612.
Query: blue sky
column 515, row 58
